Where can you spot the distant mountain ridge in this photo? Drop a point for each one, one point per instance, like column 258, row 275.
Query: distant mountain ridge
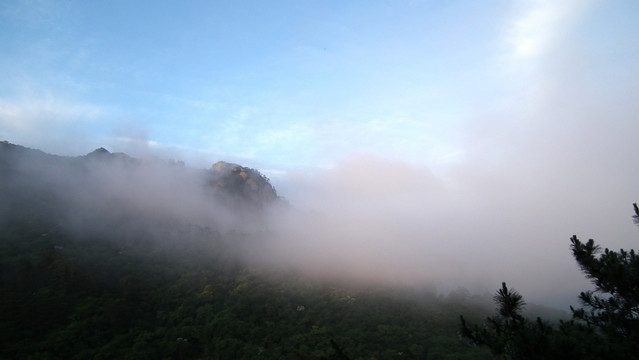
column 34, row 182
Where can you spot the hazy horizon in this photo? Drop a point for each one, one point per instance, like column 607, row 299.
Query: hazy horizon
column 369, row 221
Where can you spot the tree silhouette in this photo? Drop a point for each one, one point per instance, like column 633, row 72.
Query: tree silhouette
column 606, row 327
column 508, row 333
column 613, row 307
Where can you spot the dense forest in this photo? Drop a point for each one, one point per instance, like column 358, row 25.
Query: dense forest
column 73, row 298
column 91, row 269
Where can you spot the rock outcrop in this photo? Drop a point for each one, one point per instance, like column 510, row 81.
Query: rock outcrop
column 247, row 184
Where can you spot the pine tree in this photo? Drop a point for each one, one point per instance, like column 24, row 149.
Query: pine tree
column 607, row 327
column 508, row 333
column 613, row 307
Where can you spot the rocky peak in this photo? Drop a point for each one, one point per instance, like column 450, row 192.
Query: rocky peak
column 249, row 184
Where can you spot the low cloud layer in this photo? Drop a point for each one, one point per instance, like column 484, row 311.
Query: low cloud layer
column 370, row 220
column 378, row 220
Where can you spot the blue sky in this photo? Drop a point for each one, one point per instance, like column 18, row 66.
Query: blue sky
column 281, row 84
column 518, row 119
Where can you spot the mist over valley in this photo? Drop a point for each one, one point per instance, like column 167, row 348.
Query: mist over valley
column 368, row 222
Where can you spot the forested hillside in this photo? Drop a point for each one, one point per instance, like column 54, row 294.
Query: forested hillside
column 72, row 298
column 89, row 273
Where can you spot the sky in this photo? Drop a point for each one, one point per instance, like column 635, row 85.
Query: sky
column 507, row 126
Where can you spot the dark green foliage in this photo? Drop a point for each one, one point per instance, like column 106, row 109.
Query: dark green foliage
column 512, row 336
column 606, row 328
column 66, row 297
column 509, row 333
column 613, row 308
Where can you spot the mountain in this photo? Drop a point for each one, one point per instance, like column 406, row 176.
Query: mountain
column 105, row 256
column 109, row 185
